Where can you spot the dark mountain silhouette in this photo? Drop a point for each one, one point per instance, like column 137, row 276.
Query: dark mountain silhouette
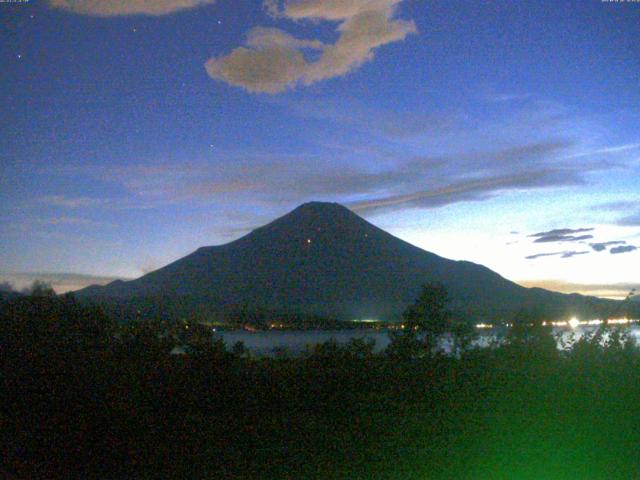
column 323, row 259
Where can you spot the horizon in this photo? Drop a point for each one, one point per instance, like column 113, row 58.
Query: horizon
column 135, row 134
column 69, row 282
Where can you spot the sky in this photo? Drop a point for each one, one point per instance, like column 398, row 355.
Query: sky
column 504, row 133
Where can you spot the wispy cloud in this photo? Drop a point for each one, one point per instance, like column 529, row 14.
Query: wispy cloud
column 462, row 191
column 562, row 235
column 607, row 150
column 109, row 8
column 628, row 212
column 565, row 254
column 563, row 238
column 623, row 249
column 394, row 172
column 424, row 182
column 66, row 220
column 506, row 97
column 273, row 60
column 416, row 182
column 366, row 119
column 621, row 205
column 64, row 201
column 602, row 246
column 630, row 220
column 473, row 177
column 561, row 231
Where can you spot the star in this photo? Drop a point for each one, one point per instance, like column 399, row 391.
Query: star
column 219, row 22
column 19, row 56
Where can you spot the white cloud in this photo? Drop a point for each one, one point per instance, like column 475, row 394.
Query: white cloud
column 261, row 37
column 108, row 8
column 272, row 61
column 267, row 70
column 334, row 9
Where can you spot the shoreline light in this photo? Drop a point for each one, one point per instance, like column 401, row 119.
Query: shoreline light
column 618, row 321
column 484, row 325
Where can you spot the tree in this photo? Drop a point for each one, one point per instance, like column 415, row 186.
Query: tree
column 530, row 337
column 429, row 315
column 424, row 322
column 47, row 323
column 147, row 338
column 40, row 288
column 630, row 304
column 239, row 349
column 463, row 335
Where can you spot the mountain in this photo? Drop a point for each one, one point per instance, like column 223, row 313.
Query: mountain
column 323, row 259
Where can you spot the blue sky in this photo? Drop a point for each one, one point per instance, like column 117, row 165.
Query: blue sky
column 135, row 132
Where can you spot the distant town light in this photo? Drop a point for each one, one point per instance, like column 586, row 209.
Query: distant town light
column 618, row 321
column 484, row 325
column 574, row 322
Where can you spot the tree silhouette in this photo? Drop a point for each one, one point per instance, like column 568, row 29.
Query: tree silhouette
column 239, row 349
column 429, row 315
column 424, row 322
column 628, row 307
column 463, row 335
column 40, row 288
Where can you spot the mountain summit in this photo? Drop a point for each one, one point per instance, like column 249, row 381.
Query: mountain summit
column 323, row 259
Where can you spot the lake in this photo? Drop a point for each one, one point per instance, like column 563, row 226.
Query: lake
column 266, row 343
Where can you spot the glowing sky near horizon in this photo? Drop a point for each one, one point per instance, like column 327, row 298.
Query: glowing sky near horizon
column 135, row 132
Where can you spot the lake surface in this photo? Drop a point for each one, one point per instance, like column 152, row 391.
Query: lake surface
column 295, row 342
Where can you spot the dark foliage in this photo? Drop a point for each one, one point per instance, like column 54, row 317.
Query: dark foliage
column 84, row 398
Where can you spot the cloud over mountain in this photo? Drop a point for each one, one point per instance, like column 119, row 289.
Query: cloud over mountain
column 415, row 182
column 272, row 60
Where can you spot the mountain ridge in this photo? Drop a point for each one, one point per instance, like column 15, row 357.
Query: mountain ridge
column 323, row 259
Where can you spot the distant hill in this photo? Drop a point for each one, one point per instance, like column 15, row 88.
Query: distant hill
column 323, row 259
